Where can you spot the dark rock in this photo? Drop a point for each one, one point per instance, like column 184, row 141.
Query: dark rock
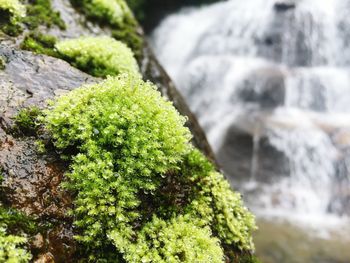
column 236, row 157
column 265, row 87
column 31, row 181
column 284, row 6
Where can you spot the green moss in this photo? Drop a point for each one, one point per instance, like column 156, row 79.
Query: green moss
column 2, row 63
column 175, row 240
column 11, row 248
column 26, row 121
column 99, row 56
column 41, row 13
column 13, row 10
column 118, row 16
column 139, row 184
column 40, row 43
column 12, row 238
column 11, row 13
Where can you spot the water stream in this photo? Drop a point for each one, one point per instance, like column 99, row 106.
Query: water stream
column 270, row 82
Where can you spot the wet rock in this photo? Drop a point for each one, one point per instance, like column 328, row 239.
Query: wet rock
column 284, row 6
column 238, row 150
column 265, row 87
column 45, row 258
column 32, row 181
column 38, row 241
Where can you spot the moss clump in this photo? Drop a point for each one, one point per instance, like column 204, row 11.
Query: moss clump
column 11, row 249
column 40, row 43
column 2, row 63
column 26, row 121
column 11, row 13
column 40, row 12
column 12, row 238
column 99, row 56
column 118, row 16
column 175, row 240
column 139, row 184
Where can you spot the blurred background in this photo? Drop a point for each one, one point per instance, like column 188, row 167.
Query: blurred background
column 269, row 80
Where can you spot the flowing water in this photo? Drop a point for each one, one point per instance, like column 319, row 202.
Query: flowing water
column 270, row 82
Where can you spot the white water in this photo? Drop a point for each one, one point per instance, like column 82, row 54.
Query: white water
column 278, row 75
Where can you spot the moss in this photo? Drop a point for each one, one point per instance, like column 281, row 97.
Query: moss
column 40, row 12
column 133, row 152
column 26, row 121
column 13, row 226
column 2, row 63
column 118, row 16
column 11, row 14
column 99, row 56
column 40, row 43
column 11, row 248
column 175, row 240
column 138, row 8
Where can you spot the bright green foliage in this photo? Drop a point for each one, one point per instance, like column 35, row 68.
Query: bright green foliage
column 112, row 11
column 40, row 44
column 127, row 135
column 176, row 240
column 26, row 120
column 10, row 248
column 11, row 13
column 40, row 12
column 99, row 56
column 233, row 223
column 217, row 205
column 138, row 181
column 14, row 9
column 118, row 16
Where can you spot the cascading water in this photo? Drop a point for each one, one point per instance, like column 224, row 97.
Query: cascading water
column 270, row 82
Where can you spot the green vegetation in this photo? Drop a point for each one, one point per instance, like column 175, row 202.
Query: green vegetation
column 2, row 63
column 98, row 56
column 11, row 13
column 26, row 121
column 117, row 15
column 40, row 43
column 40, row 12
column 11, row 248
column 139, row 184
column 175, row 240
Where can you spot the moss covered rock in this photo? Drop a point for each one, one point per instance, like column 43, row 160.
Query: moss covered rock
column 138, row 189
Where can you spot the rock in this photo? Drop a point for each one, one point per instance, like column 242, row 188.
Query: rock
column 236, row 157
column 38, row 241
column 45, row 258
column 284, row 6
column 265, row 87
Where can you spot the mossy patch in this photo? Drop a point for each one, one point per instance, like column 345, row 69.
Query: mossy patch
column 40, row 12
column 138, row 180
column 117, row 15
column 40, row 44
column 99, row 56
column 11, row 14
column 26, row 121
column 2, row 63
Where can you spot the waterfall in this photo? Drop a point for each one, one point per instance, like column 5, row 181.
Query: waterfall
column 270, row 82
